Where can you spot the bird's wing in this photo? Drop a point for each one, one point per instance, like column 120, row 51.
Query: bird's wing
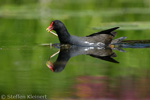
column 108, row 31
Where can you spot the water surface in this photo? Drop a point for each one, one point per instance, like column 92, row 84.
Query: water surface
column 23, row 58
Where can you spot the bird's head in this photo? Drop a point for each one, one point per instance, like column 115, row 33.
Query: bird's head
column 55, row 25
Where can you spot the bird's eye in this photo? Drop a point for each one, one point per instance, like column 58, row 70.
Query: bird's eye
column 55, row 23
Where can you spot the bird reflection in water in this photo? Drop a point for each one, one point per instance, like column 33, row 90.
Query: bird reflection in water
column 66, row 52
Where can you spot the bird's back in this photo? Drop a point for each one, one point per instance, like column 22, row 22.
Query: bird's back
column 97, row 40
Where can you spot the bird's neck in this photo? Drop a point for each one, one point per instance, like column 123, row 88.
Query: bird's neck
column 63, row 36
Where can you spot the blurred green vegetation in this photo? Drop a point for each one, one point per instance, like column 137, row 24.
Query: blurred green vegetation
column 22, row 30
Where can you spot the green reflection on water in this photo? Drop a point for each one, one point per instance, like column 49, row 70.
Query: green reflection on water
column 22, row 30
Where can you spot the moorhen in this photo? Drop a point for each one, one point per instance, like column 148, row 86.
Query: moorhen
column 102, row 38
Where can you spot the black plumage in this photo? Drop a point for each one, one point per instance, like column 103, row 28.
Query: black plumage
column 102, row 38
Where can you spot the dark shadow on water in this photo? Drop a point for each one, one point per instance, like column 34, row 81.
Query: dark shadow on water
column 66, row 52
column 135, row 44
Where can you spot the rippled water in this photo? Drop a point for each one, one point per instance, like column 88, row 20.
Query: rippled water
column 23, row 57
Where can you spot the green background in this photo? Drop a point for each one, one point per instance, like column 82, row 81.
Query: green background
column 23, row 60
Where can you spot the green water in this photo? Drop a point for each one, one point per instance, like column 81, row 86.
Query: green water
column 23, row 60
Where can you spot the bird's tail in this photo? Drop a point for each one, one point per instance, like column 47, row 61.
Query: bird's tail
column 118, row 40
